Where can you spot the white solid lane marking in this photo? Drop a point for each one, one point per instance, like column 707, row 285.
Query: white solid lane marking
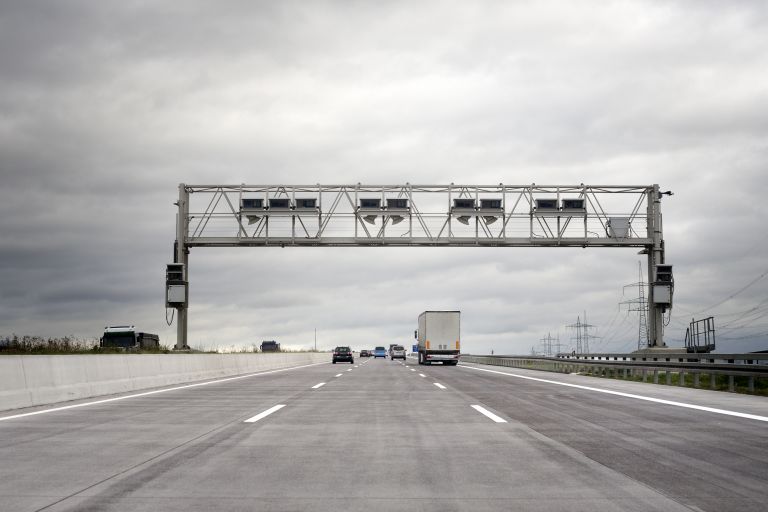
column 264, row 414
column 439, row 385
column 629, row 395
column 422, row 375
column 318, row 385
column 147, row 393
column 339, row 374
column 486, row 412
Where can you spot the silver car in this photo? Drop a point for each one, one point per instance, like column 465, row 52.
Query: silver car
column 398, row 352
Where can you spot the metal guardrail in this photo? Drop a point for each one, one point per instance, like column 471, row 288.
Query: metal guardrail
column 721, row 371
column 680, row 357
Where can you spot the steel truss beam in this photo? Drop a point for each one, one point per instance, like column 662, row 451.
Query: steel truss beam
column 430, row 218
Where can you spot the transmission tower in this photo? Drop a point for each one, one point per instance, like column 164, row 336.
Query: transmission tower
column 547, row 343
column 639, row 305
column 582, row 334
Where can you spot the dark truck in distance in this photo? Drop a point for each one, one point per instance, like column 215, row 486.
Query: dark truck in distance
column 127, row 338
column 270, row 346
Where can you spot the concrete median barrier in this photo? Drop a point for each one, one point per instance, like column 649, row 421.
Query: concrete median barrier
column 30, row 380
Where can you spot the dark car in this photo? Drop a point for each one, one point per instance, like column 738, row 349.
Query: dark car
column 365, row 353
column 343, row 354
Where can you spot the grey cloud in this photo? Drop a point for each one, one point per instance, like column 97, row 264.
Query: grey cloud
column 104, row 109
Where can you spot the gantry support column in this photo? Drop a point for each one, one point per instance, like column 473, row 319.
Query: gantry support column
column 182, row 256
column 655, row 257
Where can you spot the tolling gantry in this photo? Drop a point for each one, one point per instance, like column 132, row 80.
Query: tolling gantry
column 422, row 215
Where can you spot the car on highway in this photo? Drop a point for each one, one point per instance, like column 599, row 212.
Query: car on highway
column 380, row 352
column 397, row 352
column 343, row 354
column 365, row 353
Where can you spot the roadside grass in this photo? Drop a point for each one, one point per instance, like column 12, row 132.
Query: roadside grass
column 20, row 345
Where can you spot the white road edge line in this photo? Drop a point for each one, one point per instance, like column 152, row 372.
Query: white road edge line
column 486, row 412
column 318, row 385
column 339, row 374
column 264, row 414
column 147, row 393
column 422, row 375
column 629, row 395
column 439, row 385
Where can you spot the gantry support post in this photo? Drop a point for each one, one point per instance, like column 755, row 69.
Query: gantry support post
column 182, row 256
column 655, row 257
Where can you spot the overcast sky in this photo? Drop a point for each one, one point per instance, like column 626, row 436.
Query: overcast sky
column 105, row 107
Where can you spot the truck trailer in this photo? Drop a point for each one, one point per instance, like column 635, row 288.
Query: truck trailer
column 127, row 338
column 439, row 337
column 270, row 346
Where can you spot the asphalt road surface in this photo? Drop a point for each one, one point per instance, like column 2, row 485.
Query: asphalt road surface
column 382, row 435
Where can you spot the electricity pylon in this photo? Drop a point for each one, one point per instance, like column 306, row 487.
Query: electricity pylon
column 639, row 305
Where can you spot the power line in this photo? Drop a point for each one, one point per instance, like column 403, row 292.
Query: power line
column 610, row 324
column 613, row 333
column 762, row 303
column 744, row 288
column 746, row 336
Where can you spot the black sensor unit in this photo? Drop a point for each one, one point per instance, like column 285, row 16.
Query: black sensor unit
column 573, row 204
column 546, row 204
column 463, row 203
column 490, row 203
column 397, row 203
column 279, row 203
column 370, row 203
column 306, row 203
column 251, row 203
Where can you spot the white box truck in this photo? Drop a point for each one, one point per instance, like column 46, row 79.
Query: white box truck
column 439, row 337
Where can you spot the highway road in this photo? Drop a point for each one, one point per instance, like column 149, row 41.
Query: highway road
column 384, row 436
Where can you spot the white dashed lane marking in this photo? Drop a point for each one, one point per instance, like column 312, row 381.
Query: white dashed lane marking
column 264, row 414
column 486, row 412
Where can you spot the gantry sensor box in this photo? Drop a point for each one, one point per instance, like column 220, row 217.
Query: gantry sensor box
column 175, row 286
